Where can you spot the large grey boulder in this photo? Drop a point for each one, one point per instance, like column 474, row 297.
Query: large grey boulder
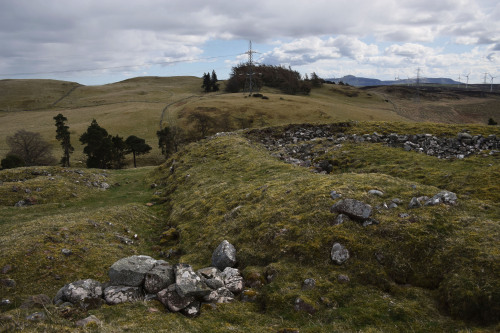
column 224, row 256
column 159, row 277
column 131, row 271
column 86, row 294
column 188, row 283
column 353, row 208
column 172, row 300
column 122, row 294
column 339, row 253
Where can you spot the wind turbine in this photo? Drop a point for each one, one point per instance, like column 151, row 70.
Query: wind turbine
column 491, row 81
column 459, row 82
column 467, row 76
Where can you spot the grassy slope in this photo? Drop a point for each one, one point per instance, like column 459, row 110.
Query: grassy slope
column 135, row 107
column 277, row 216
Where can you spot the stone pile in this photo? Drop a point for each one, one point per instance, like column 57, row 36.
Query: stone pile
column 295, row 144
column 178, row 287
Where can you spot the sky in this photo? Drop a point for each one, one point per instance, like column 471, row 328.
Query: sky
column 96, row 42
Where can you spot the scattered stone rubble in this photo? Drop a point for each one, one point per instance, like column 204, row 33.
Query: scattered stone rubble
column 178, row 287
column 358, row 211
column 295, row 144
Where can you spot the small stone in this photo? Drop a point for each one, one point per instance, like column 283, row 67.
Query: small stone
column 341, row 218
column 376, row 192
column 5, row 302
column 37, row 316
column 355, row 209
column 302, row 305
column 334, row 195
column 66, row 252
column 342, row 278
column 192, row 310
column 8, row 283
column 6, row 269
column 86, row 321
column 308, row 284
column 339, row 254
column 414, row 203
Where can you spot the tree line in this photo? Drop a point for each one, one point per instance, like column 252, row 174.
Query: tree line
column 103, row 150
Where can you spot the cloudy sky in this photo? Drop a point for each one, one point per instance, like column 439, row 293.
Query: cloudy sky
column 104, row 41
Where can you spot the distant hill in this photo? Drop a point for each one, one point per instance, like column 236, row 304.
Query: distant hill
column 363, row 81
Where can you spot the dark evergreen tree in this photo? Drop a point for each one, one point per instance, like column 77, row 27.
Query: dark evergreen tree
column 213, row 81
column 99, row 146
column 207, row 83
column 118, row 152
column 136, row 146
column 63, row 135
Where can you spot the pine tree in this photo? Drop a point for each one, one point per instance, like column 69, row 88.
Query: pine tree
column 63, row 135
column 213, row 82
column 207, row 83
column 136, row 146
column 99, row 146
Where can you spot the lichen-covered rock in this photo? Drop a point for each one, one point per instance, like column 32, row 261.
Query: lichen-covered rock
column 86, row 294
column 339, row 253
column 221, row 295
column 308, row 284
column 224, row 256
column 159, row 277
column 172, row 300
column 233, row 280
column 192, row 310
column 122, row 294
column 130, row 271
column 353, row 208
column 212, row 277
column 188, row 283
column 445, row 197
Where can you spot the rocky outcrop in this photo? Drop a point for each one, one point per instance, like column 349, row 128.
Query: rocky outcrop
column 139, row 278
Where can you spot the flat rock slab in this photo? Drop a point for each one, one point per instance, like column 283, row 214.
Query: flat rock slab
column 131, row 271
column 353, row 208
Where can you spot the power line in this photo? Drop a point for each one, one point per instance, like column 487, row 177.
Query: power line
column 116, row 67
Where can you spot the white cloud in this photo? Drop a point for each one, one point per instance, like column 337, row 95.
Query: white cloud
column 50, row 35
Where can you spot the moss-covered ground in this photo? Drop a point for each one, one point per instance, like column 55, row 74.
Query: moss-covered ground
column 434, row 270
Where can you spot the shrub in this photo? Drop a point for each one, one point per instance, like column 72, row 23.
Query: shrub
column 12, row 161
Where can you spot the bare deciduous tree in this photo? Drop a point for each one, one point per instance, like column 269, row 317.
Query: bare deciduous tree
column 30, row 147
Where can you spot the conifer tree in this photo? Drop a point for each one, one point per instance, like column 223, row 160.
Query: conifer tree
column 213, row 82
column 136, row 146
column 63, row 135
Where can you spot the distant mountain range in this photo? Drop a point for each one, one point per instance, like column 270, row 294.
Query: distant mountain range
column 363, row 81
